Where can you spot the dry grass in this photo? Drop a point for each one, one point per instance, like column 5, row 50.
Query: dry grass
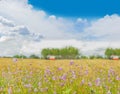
column 34, row 76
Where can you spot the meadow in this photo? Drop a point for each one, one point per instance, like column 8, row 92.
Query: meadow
column 35, row 76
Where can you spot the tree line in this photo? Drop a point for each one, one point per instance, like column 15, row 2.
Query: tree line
column 69, row 53
column 61, row 53
column 111, row 51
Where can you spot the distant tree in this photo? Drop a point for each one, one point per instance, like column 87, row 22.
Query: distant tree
column 19, row 56
column 99, row 57
column 34, row 56
column 84, row 57
column 16, row 56
column 65, row 53
column 92, row 57
column 69, row 52
column 111, row 51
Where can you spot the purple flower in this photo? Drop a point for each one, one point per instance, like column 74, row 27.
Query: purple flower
column 71, row 62
column 82, row 82
column 28, row 85
column 47, row 71
column 60, row 69
column 73, row 75
column 98, row 82
column 63, row 77
column 111, row 72
column 86, row 72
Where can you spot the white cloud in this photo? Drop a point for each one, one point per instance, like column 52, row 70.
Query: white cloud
column 26, row 30
column 6, row 22
column 5, row 38
column 36, row 20
column 107, row 28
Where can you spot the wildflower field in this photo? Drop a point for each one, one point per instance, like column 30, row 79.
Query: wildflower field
column 35, row 76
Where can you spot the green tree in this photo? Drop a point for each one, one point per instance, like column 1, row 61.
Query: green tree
column 34, row 56
column 65, row 53
column 19, row 56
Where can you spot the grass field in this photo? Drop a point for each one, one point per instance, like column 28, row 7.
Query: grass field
column 30, row 76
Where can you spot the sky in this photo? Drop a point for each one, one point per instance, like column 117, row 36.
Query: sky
column 78, row 8
column 28, row 26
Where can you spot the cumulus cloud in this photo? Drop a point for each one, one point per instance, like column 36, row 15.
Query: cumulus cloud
column 106, row 28
column 37, row 21
column 6, row 22
column 24, row 29
column 21, row 30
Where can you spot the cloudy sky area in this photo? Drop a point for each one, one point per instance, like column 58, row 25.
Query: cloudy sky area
column 26, row 27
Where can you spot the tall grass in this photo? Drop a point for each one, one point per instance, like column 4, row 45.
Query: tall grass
column 34, row 76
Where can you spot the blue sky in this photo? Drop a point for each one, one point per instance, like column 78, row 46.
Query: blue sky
column 78, row 8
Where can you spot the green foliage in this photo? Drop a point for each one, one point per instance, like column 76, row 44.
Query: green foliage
column 65, row 53
column 84, row 57
column 111, row 51
column 19, row 56
column 92, row 57
column 34, row 56
column 99, row 57
column 96, row 57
